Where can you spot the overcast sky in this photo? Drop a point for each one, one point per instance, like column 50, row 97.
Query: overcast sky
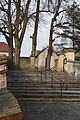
column 42, row 38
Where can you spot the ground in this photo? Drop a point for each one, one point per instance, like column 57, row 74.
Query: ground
column 50, row 111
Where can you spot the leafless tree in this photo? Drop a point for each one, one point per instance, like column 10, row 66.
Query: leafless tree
column 57, row 7
column 14, row 18
column 6, row 25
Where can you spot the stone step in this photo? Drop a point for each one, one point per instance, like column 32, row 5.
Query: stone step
column 50, row 91
column 33, row 86
column 40, row 88
column 50, row 96
column 16, row 89
column 24, row 74
column 26, row 79
column 75, row 86
column 29, row 86
column 49, row 100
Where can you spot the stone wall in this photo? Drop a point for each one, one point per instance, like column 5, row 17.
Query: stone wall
column 3, row 70
column 9, row 107
column 73, row 68
column 76, row 67
column 68, row 67
column 24, row 62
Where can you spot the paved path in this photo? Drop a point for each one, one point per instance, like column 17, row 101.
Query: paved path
column 50, row 111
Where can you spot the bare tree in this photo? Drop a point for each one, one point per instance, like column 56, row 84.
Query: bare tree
column 56, row 6
column 13, row 22
column 6, row 25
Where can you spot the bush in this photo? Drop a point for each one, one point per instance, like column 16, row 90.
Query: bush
column 77, row 58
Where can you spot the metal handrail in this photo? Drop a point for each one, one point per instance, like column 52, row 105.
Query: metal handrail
column 62, row 83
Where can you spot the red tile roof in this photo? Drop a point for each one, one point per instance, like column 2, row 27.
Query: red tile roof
column 70, row 50
column 4, row 47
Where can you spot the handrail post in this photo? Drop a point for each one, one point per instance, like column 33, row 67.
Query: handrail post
column 45, row 77
column 61, row 85
column 52, row 81
column 66, row 87
column 41, row 74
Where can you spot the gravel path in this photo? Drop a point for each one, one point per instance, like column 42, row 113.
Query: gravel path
column 50, row 111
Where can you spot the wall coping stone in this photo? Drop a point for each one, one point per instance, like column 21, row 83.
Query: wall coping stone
column 73, row 61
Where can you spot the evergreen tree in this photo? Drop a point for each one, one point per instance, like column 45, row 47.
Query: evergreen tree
column 72, row 29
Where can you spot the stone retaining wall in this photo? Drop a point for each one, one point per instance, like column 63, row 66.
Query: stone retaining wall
column 24, row 62
column 73, row 68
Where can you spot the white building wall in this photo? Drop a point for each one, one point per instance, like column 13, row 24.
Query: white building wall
column 60, row 62
column 69, row 66
column 70, row 56
column 53, row 58
column 41, row 60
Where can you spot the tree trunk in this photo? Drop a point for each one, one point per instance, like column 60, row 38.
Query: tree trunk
column 10, row 62
column 10, row 39
column 34, row 37
column 16, row 36
column 58, row 3
column 50, row 45
column 48, row 61
column 17, row 54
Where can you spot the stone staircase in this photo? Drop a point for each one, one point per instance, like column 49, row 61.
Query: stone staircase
column 41, row 86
